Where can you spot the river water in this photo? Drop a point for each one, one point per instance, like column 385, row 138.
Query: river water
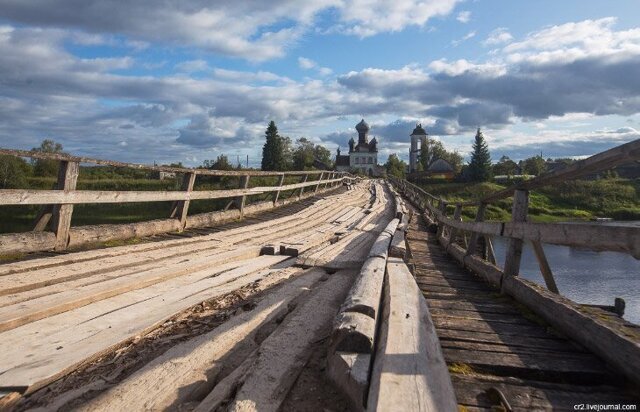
column 585, row 276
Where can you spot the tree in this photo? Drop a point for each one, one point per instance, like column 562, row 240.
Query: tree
column 306, row 153
column 221, row 163
column 534, row 165
column 480, row 164
column 505, row 167
column 47, row 167
column 395, row 166
column 432, row 150
column 13, row 172
column 275, row 150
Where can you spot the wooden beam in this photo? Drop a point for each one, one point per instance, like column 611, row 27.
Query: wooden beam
column 240, row 201
column 319, row 181
column 67, row 180
column 457, row 216
column 473, row 242
column 514, row 247
column 409, row 371
column 545, row 269
column 304, row 180
column 181, row 207
column 277, row 193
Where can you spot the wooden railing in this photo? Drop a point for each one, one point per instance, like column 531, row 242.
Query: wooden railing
column 609, row 337
column 596, row 237
column 58, row 203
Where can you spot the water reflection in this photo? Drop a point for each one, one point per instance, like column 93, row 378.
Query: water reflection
column 585, row 276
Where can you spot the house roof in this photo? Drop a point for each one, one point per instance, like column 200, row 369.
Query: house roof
column 440, row 166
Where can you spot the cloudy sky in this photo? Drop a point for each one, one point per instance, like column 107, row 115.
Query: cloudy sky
column 167, row 81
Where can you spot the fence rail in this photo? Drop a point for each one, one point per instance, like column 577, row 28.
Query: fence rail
column 58, row 203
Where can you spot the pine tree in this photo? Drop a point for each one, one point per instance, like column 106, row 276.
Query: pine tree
column 273, row 157
column 480, row 165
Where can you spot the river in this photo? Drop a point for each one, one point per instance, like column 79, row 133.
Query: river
column 585, row 276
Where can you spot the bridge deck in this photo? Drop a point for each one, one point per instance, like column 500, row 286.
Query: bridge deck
column 491, row 343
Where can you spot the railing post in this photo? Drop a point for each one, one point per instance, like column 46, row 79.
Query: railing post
column 473, row 242
column 240, row 200
column 442, row 206
column 181, row 207
column 304, row 180
column 457, row 217
column 514, row 247
column 319, row 180
column 545, row 269
column 67, row 180
column 277, row 195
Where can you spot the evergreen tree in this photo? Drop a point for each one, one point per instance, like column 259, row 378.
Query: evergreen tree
column 480, row 165
column 273, row 151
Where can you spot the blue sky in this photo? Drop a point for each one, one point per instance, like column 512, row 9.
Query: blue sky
column 146, row 81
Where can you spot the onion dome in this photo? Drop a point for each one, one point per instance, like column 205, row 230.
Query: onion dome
column 418, row 131
column 362, row 127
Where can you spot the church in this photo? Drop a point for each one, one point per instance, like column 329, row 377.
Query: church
column 363, row 156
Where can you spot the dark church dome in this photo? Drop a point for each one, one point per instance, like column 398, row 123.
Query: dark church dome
column 362, row 126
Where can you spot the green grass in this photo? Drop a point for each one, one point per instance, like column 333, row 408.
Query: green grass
column 570, row 201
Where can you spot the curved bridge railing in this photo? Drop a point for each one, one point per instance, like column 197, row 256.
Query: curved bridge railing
column 58, row 203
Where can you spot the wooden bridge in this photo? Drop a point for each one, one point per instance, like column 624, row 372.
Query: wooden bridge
column 307, row 291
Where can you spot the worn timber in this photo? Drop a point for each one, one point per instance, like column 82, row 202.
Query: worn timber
column 494, row 345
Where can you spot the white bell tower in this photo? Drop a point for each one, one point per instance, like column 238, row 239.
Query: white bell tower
column 417, row 136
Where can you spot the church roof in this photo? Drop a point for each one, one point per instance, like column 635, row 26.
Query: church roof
column 419, row 131
column 362, row 126
column 440, row 166
column 366, row 147
column 342, row 160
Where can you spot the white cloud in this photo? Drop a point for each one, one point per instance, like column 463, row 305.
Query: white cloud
column 306, row 64
column 192, row 66
column 464, row 38
column 498, row 36
column 464, row 16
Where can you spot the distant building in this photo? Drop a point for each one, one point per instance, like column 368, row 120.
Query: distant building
column 418, row 136
column 440, row 169
column 363, row 156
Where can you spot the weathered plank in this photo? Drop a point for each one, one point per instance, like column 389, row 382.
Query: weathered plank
column 283, row 354
column 409, row 371
column 189, row 369
column 61, row 217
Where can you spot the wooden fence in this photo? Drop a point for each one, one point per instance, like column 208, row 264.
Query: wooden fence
column 58, row 203
column 470, row 244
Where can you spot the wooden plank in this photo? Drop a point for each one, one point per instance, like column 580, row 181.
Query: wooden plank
column 283, row 354
column 189, row 369
column 240, row 201
column 38, row 197
column 490, row 337
column 612, row 339
column 523, row 363
column 29, row 362
column 364, row 296
column 409, row 371
column 350, row 374
column 61, row 217
column 19, row 314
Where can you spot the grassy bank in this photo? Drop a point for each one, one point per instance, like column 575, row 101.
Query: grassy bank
column 574, row 200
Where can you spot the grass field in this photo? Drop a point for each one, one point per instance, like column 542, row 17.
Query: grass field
column 573, row 200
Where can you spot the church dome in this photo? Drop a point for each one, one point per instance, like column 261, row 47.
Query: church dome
column 362, row 126
column 418, row 131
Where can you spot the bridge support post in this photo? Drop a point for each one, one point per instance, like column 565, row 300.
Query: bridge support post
column 277, row 195
column 545, row 269
column 473, row 242
column 514, row 246
column 304, row 180
column 240, row 200
column 61, row 214
column 181, row 207
column 319, row 180
column 457, row 216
